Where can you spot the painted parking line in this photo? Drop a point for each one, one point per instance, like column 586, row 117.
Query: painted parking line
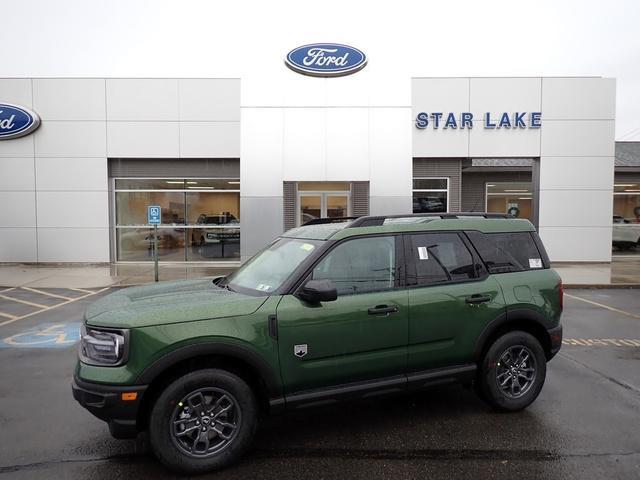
column 26, row 302
column 42, row 292
column 82, row 290
column 6, row 315
column 46, row 309
column 48, row 335
column 602, row 342
column 601, row 305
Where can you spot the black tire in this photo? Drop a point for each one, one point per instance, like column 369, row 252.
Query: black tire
column 495, row 370
column 170, row 447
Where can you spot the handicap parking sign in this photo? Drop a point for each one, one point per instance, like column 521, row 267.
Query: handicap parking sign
column 153, row 215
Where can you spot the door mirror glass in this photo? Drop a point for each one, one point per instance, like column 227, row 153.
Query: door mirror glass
column 315, row 291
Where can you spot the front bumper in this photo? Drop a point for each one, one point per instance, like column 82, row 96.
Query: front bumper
column 106, row 402
column 555, row 340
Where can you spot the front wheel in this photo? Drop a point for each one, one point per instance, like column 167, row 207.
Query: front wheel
column 203, row 421
column 512, row 371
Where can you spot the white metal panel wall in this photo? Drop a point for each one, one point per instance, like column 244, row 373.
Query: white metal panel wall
column 56, row 178
column 577, row 168
column 575, row 144
column 17, row 183
column 297, row 128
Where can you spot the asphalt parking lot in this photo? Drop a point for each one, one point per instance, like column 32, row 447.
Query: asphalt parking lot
column 586, row 422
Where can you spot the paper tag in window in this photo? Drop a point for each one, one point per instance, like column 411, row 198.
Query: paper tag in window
column 535, row 263
column 422, row 253
column 307, row 246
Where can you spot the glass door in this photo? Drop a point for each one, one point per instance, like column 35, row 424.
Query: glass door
column 337, row 205
column 312, row 205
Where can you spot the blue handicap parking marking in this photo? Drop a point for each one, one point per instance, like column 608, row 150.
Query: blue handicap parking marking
column 46, row 335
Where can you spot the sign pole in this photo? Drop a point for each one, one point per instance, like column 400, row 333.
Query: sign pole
column 154, row 217
column 155, row 252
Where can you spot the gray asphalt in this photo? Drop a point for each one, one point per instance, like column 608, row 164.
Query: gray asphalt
column 586, row 422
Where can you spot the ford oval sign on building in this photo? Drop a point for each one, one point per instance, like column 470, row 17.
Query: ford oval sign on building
column 16, row 121
column 326, row 60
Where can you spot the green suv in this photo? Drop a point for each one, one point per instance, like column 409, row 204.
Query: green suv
column 329, row 311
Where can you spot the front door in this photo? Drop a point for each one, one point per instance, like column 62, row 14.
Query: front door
column 451, row 300
column 314, row 205
column 360, row 336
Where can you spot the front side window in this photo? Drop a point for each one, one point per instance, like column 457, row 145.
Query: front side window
column 361, row 265
column 507, row 252
column 269, row 269
column 439, row 258
column 430, row 195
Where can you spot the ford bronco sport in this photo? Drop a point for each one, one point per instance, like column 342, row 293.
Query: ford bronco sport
column 329, row 311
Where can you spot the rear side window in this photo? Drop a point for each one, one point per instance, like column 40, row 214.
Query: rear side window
column 438, row 258
column 507, row 252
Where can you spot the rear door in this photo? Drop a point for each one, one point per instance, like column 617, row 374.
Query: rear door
column 360, row 336
column 451, row 299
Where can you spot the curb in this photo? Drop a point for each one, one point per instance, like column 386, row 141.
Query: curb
column 597, row 286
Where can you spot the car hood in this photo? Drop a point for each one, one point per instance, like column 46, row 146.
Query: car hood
column 169, row 302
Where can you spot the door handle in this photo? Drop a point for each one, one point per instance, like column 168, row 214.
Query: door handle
column 477, row 299
column 382, row 309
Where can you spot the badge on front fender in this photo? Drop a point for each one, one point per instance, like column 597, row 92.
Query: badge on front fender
column 300, row 350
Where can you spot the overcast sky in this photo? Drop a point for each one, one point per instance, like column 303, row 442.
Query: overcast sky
column 215, row 38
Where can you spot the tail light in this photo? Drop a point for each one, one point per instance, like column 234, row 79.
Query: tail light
column 561, row 295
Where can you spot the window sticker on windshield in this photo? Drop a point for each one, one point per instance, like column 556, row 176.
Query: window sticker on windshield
column 535, row 263
column 307, row 246
column 422, row 253
column 263, row 288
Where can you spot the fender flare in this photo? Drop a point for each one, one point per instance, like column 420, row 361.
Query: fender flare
column 237, row 352
column 527, row 315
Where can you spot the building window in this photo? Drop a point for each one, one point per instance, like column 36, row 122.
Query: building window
column 626, row 202
column 430, row 195
column 510, row 197
column 200, row 219
column 626, row 216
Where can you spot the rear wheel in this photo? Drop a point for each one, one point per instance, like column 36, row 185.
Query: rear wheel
column 513, row 371
column 203, row 421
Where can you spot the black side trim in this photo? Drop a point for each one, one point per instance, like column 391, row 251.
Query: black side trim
column 347, row 391
column 384, row 386
column 254, row 360
column 429, row 378
column 555, row 338
column 273, row 327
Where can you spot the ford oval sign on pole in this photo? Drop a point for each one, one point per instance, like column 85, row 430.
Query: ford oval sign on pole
column 16, row 121
column 326, row 60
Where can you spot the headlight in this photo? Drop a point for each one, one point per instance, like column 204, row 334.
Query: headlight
column 103, row 347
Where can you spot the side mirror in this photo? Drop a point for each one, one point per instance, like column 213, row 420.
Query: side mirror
column 315, row 291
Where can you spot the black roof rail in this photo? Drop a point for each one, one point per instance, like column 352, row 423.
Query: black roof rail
column 376, row 220
column 322, row 221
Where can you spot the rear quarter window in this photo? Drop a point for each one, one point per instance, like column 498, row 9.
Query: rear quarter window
column 508, row 252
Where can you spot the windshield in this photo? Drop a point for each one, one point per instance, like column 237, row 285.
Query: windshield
column 269, row 269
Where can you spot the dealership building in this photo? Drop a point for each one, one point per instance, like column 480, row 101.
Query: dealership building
column 234, row 162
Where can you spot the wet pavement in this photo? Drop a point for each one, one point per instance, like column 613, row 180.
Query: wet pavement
column 585, row 424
